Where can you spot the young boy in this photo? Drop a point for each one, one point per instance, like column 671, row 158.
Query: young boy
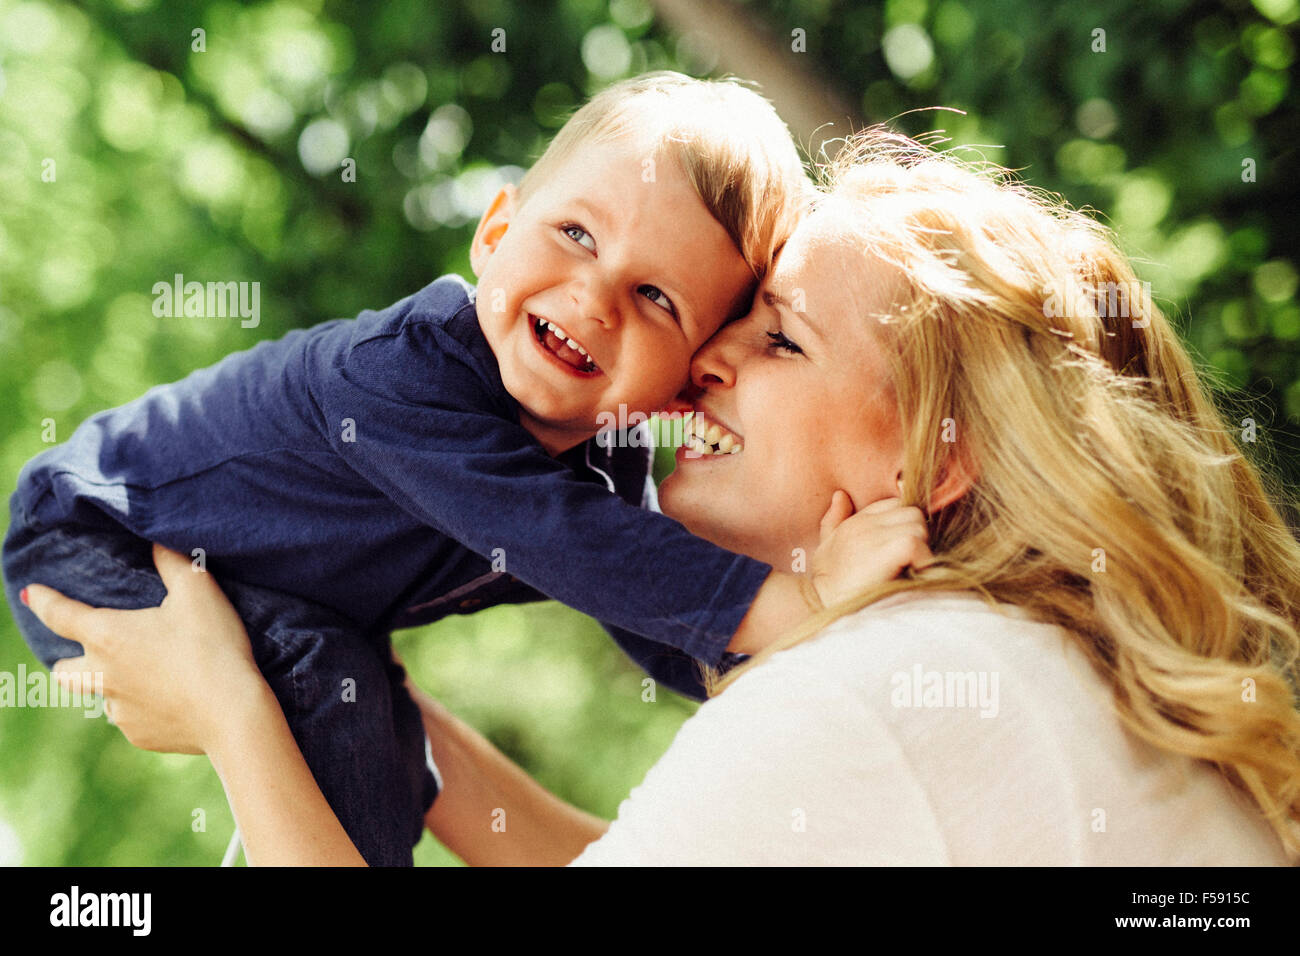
column 438, row 456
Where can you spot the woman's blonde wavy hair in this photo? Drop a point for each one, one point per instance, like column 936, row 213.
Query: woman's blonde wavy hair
column 1108, row 495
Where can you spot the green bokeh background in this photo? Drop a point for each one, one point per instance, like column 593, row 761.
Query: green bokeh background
column 225, row 164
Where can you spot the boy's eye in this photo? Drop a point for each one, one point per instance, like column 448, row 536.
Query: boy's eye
column 777, row 340
column 579, row 235
column 657, row 296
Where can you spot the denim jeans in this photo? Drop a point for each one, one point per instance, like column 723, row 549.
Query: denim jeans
column 342, row 695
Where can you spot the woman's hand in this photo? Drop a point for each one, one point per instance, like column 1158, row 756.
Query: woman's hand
column 858, row 551
column 170, row 674
column 181, row 677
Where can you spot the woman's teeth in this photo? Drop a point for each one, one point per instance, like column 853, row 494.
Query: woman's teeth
column 709, row 438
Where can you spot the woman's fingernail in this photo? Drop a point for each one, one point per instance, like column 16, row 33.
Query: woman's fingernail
column 22, row 596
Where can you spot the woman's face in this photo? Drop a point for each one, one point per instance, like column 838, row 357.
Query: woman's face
column 802, row 384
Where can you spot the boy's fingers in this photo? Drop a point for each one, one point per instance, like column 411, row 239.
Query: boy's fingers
column 63, row 615
column 840, row 510
column 922, row 557
column 898, row 514
column 884, row 504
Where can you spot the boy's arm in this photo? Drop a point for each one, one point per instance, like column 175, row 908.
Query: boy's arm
column 667, row 666
column 433, row 436
column 437, row 441
column 784, row 602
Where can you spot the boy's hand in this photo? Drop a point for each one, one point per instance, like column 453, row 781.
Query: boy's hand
column 857, row 551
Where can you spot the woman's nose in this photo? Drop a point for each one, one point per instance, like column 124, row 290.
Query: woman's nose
column 715, row 364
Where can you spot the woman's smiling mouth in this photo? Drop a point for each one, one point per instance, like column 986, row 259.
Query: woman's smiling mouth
column 563, row 347
column 704, row 436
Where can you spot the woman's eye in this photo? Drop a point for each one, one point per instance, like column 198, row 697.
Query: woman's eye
column 580, row 236
column 657, row 296
column 777, row 340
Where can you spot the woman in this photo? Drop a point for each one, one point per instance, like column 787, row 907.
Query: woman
column 1100, row 667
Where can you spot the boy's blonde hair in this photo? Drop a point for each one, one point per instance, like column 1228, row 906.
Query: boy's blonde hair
column 735, row 151
column 1109, row 496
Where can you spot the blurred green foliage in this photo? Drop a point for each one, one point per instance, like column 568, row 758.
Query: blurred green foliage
column 135, row 148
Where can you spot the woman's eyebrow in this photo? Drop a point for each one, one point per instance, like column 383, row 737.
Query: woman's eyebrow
column 775, row 301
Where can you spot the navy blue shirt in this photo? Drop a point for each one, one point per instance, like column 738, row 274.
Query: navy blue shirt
column 377, row 466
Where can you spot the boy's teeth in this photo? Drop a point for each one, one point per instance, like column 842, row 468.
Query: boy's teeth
column 563, row 336
column 725, row 444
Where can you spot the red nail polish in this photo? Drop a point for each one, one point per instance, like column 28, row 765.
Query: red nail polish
column 22, row 595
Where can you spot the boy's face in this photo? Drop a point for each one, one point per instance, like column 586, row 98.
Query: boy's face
column 637, row 273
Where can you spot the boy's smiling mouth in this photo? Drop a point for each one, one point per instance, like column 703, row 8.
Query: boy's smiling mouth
column 562, row 346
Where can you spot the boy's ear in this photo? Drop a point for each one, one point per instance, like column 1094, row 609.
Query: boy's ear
column 491, row 228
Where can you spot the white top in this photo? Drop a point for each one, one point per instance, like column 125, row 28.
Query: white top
column 927, row 730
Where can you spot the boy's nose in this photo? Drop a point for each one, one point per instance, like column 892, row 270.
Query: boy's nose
column 593, row 301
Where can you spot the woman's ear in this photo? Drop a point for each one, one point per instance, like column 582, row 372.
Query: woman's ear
column 491, row 228
column 954, row 481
